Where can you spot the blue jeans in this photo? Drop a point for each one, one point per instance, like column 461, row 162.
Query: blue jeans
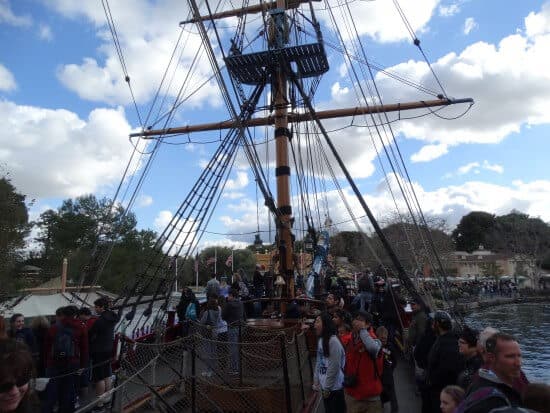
column 362, row 301
column 233, row 340
column 61, row 389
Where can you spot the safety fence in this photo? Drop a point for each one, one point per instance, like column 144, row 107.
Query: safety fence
column 245, row 369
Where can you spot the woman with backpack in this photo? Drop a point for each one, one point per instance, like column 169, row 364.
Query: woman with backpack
column 187, row 309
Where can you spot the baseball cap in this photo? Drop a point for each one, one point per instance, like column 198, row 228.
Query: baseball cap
column 441, row 317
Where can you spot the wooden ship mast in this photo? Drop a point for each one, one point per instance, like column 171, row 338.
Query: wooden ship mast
column 274, row 66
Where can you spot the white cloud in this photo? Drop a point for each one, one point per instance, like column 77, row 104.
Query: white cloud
column 54, row 153
column 380, row 19
column 476, row 168
column 145, row 201
column 224, row 242
column 233, row 195
column 450, row 202
column 514, row 70
column 499, row 169
column 181, row 236
column 469, row 25
column 7, row 81
column 467, row 168
column 45, row 32
column 538, row 23
column 429, row 152
column 240, row 182
column 449, row 10
column 145, row 30
column 7, row 16
column 162, row 220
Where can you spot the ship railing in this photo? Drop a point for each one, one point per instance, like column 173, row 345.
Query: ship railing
column 248, row 368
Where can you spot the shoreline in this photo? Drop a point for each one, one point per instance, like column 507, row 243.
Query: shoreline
column 467, row 308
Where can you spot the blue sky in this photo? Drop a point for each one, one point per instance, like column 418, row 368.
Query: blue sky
column 67, row 113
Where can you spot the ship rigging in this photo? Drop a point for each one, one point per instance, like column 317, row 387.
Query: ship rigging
column 269, row 76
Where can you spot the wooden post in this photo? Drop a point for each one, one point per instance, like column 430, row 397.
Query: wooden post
column 64, row 275
column 282, row 170
column 285, row 373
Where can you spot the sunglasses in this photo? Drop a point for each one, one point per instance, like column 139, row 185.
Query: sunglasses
column 7, row 386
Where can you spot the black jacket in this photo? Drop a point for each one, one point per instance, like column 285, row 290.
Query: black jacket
column 423, row 347
column 383, row 305
column 471, row 366
column 233, row 311
column 444, row 362
column 102, row 333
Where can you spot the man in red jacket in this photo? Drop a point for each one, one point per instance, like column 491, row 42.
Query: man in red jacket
column 364, row 360
column 66, row 349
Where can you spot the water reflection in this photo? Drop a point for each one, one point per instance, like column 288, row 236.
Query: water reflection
column 530, row 323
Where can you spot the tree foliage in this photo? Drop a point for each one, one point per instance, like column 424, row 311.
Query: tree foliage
column 129, row 257
column 414, row 245
column 351, row 244
column 14, row 227
column 525, row 237
column 242, row 259
column 473, row 230
column 77, row 224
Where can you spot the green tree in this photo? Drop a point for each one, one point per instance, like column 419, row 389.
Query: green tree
column 73, row 229
column 414, row 244
column 526, row 238
column 473, row 230
column 14, row 227
column 351, row 244
column 242, row 259
column 129, row 257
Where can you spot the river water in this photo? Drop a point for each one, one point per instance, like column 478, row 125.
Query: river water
column 530, row 324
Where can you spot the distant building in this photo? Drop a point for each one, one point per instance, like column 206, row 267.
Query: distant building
column 30, row 275
column 477, row 263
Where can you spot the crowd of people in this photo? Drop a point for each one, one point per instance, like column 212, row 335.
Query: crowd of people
column 50, row 366
column 457, row 369
column 475, row 289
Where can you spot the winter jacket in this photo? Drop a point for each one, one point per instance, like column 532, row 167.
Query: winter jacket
column 488, row 392
column 80, row 342
column 102, row 333
column 365, row 360
column 471, row 366
column 444, row 362
column 384, row 308
column 26, row 336
column 422, row 349
column 233, row 311
column 417, row 327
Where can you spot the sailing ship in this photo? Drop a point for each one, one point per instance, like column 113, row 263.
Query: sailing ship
column 268, row 71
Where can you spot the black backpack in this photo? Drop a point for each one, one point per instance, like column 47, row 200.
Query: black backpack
column 64, row 348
